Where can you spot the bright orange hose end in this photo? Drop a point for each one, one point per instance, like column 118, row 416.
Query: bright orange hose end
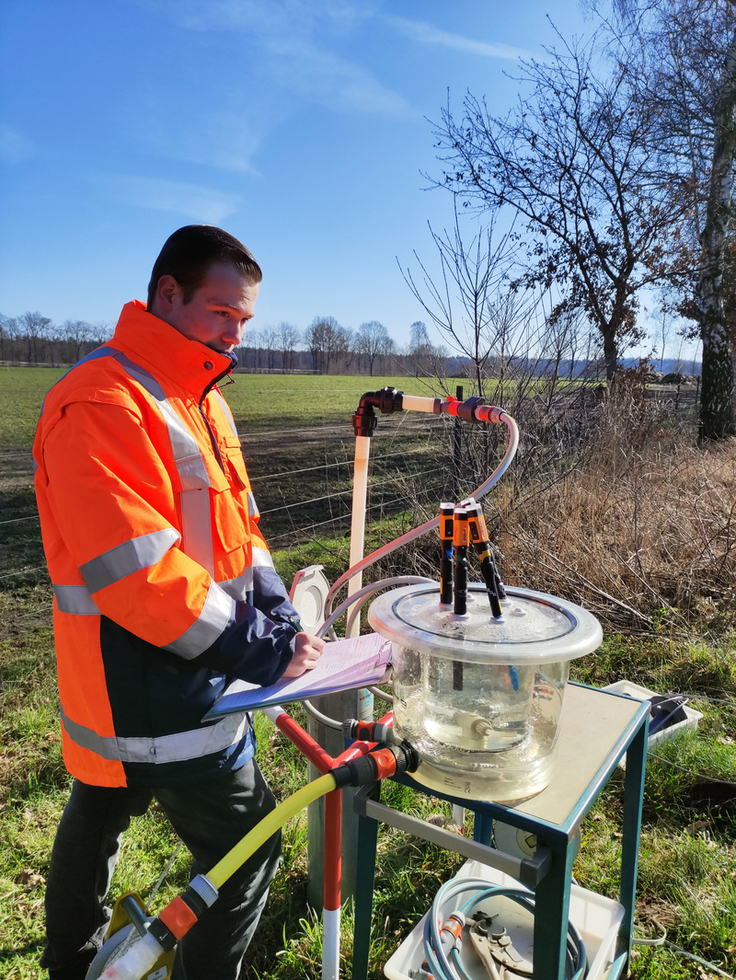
column 178, row 917
column 385, row 762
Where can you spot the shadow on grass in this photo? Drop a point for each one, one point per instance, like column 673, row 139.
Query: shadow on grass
column 27, row 950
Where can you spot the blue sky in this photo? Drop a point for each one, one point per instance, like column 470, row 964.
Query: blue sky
column 301, row 126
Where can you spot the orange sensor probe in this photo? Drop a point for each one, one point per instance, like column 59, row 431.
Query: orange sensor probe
column 461, row 539
column 446, row 542
column 479, row 537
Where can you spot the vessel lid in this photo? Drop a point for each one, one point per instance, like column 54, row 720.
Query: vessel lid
column 535, row 628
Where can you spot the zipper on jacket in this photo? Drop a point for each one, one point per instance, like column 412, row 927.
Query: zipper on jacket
column 213, row 440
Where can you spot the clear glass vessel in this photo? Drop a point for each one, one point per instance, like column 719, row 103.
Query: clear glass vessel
column 480, row 698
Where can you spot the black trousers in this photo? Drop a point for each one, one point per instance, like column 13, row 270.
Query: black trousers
column 210, row 816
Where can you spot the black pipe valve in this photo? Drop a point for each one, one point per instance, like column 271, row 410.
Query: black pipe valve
column 387, row 401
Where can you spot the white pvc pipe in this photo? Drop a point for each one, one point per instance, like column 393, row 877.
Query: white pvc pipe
column 418, row 403
column 368, row 590
column 330, row 944
column 458, row 815
column 357, row 527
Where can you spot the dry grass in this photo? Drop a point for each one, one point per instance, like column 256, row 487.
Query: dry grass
column 639, row 524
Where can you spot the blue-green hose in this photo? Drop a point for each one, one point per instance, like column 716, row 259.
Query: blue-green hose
column 451, row 968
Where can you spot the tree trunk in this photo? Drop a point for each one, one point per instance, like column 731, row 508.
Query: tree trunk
column 610, row 354
column 716, row 400
column 716, row 404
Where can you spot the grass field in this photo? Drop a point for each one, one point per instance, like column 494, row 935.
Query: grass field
column 298, row 444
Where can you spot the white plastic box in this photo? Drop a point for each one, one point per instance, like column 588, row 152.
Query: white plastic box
column 643, row 694
column 597, row 919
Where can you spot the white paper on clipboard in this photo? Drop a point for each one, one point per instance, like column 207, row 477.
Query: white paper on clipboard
column 344, row 665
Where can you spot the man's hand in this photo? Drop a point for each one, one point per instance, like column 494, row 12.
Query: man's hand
column 307, row 651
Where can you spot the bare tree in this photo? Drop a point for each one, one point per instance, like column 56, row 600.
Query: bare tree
column 346, row 349
column 34, row 328
column 471, row 273
column 288, row 339
column 270, row 341
column 76, row 336
column 680, row 56
column 372, row 341
column 572, row 163
column 421, row 351
column 662, row 336
column 326, row 342
column 388, row 353
column 8, row 330
column 519, row 345
column 563, row 331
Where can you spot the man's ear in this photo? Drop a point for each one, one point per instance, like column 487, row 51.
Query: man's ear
column 167, row 291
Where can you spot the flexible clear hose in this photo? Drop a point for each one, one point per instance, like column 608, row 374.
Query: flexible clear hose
column 368, row 590
column 417, row 532
column 361, row 596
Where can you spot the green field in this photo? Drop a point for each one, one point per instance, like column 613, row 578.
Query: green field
column 258, row 401
column 298, row 443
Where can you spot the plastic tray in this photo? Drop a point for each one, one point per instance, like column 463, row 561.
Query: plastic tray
column 597, row 919
column 643, row 694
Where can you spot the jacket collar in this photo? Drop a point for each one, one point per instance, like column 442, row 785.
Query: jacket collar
column 160, row 348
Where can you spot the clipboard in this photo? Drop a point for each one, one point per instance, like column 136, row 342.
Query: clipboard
column 344, row 665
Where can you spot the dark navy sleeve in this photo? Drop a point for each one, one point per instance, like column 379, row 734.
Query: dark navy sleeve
column 259, row 645
column 271, row 597
column 253, row 648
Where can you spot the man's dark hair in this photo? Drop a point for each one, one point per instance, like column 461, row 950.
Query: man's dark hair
column 189, row 252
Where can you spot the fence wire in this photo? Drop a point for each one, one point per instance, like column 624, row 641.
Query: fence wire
column 389, row 477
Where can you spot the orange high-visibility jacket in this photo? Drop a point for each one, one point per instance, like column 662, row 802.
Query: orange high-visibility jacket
column 164, row 588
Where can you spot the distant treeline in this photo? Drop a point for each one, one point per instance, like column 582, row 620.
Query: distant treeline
column 325, row 347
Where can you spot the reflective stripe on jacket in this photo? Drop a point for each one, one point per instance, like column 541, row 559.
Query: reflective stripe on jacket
column 163, row 585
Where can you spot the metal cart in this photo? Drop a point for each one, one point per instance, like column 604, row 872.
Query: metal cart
column 596, row 729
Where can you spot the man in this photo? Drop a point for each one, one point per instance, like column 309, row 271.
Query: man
column 163, row 590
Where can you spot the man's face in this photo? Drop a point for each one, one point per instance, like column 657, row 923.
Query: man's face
column 217, row 312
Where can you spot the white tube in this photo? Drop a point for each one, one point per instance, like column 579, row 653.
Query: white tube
column 384, row 583
column 418, row 403
column 416, row 532
column 273, row 712
column 357, row 527
column 377, row 586
column 136, row 961
column 331, row 944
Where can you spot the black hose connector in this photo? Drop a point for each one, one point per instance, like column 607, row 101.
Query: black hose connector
column 381, row 764
column 163, row 935
column 387, row 400
column 364, row 420
column 409, row 760
column 359, row 772
column 466, row 409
